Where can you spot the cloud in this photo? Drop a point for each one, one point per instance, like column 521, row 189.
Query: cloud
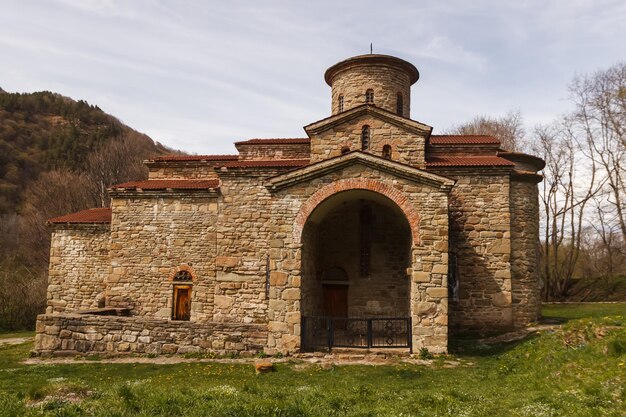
column 198, row 75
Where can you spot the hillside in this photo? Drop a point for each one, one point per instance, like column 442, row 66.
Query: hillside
column 43, row 131
column 57, row 155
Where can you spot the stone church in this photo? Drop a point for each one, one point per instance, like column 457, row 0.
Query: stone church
column 370, row 232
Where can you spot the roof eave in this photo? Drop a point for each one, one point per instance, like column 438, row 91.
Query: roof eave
column 358, row 157
column 385, row 115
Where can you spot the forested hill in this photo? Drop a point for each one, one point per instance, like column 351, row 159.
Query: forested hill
column 44, row 131
column 57, row 156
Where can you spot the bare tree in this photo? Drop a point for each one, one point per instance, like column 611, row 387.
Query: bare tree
column 509, row 129
column 53, row 194
column 565, row 193
column 118, row 161
column 599, row 123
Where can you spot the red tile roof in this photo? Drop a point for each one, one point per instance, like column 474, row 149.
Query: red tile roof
column 467, row 161
column 94, row 215
column 463, row 140
column 195, row 158
column 275, row 163
column 169, row 184
column 275, row 141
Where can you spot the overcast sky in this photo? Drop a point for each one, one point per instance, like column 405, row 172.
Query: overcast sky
column 199, row 75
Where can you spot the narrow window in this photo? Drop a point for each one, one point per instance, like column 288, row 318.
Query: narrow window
column 365, row 137
column 365, row 250
column 181, row 307
column 387, row 151
column 399, row 105
column 453, row 277
column 369, row 96
column 345, row 149
column 340, row 103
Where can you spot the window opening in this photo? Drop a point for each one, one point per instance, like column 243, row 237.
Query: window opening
column 399, row 105
column 365, row 137
column 365, row 250
column 387, row 151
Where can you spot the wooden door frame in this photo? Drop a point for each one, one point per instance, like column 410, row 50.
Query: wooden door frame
column 176, row 287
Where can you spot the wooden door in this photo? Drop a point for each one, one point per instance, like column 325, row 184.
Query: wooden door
column 182, row 302
column 335, row 300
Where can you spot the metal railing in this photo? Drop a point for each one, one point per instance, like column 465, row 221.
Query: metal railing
column 349, row 332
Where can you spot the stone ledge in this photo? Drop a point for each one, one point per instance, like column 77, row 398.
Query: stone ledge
column 75, row 334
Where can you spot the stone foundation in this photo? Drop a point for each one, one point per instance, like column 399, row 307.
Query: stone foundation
column 73, row 334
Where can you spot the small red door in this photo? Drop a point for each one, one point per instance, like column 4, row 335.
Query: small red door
column 335, row 300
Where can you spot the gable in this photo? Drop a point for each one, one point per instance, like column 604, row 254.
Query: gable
column 406, row 137
column 358, row 159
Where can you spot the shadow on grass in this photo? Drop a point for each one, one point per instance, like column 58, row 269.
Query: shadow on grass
column 467, row 346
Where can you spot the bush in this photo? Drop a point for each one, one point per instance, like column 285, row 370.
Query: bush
column 22, row 297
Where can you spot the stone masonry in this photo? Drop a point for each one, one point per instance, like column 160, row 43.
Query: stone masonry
column 229, row 253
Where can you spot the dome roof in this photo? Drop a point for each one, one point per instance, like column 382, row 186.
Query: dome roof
column 372, row 59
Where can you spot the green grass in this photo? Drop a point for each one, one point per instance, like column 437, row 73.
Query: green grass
column 11, row 335
column 575, row 371
column 582, row 310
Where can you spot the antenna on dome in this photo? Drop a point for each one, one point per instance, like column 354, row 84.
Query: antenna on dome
column 371, row 48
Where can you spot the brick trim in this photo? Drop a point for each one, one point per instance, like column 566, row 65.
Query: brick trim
column 395, row 195
column 185, row 268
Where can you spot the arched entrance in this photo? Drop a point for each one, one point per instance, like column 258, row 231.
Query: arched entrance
column 355, row 291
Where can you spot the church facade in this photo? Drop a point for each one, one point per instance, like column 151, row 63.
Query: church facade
column 369, row 232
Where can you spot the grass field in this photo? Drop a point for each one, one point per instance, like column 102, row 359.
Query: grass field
column 578, row 370
column 11, row 335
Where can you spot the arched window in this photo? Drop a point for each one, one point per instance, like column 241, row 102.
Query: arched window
column 183, row 276
column 181, row 306
column 365, row 137
column 387, row 151
column 365, row 234
column 399, row 105
column 340, row 103
column 369, row 96
column 345, row 149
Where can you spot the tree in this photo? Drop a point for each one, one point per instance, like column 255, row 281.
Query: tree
column 118, row 161
column 564, row 194
column 509, row 129
column 599, row 123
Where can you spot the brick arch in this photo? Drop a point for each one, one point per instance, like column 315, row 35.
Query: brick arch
column 185, row 268
column 329, row 190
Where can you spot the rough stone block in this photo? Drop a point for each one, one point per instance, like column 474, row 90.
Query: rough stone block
column 222, row 301
column 420, row 276
column 226, row 261
column 437, row 292
column 440, row 269
column 278, row 278
column 291, row 294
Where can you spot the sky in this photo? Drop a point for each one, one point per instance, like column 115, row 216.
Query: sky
column 200, row 75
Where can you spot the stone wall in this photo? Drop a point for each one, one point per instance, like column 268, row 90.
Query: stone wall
column 274, row 151
column 71, row 334
column 428, row 290
column 244, row 242
column 79, row 260
column 406, row 147
column 480, row 237
column 154, row 235
column 386, row 81
column 525, row 252
column 181, row 170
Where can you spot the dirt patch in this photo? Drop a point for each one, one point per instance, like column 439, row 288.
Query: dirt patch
column 16, row 340
column 300, row 362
